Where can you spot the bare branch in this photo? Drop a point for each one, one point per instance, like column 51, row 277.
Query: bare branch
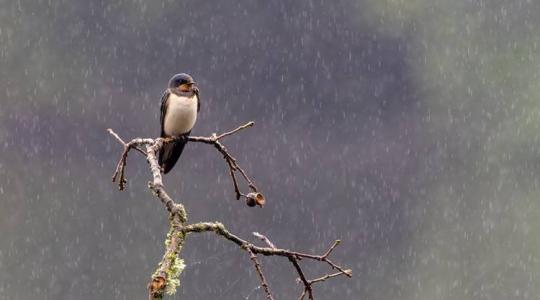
column 261, row 275
column 292, row 256
column 328, row 276
column 116, row 136
column 307, row 285
column 302, row 295
column 166, row 277
column 212, row 140
column 248, row 124
column 264, row 239
column 235, row 184
column 336, row 243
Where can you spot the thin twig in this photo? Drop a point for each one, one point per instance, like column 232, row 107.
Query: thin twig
column 235, row 184
column 116, row 136
column 261, row 275
column 307, row 285
column 302, row 295
column 123, row 143
column 264, row 239
column 328, row 276
column 336, row 243
column 231, row 161
column 248, row 124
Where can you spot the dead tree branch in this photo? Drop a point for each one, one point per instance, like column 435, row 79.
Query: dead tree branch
column 258, row 267
column 293, row 256
column 166, row 278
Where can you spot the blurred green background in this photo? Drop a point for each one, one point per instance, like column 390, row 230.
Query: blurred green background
column 408, row 129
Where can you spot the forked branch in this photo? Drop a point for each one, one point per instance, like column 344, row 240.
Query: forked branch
column 293, row 256
column 166, row 277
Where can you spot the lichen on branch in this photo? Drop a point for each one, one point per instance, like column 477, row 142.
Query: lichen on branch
column 166, row 278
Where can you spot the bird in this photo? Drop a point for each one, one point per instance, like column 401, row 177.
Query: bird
column 180, row 105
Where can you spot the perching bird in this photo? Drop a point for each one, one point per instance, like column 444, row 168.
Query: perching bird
column 179, row 106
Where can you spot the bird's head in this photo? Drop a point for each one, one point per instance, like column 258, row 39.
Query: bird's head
column 182, row 83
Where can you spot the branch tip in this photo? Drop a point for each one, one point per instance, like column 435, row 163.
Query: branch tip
column 166, row 277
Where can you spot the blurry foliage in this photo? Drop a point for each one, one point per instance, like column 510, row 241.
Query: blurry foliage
column 477, row 65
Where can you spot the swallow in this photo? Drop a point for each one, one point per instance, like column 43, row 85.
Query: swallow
column 180, row 104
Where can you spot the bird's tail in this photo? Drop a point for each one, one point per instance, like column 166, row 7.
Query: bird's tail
column 169, row 154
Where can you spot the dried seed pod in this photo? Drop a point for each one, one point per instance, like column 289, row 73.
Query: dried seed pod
column 254, row 198
column 250, row 202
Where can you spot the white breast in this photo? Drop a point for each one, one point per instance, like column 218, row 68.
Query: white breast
column 181, row 115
